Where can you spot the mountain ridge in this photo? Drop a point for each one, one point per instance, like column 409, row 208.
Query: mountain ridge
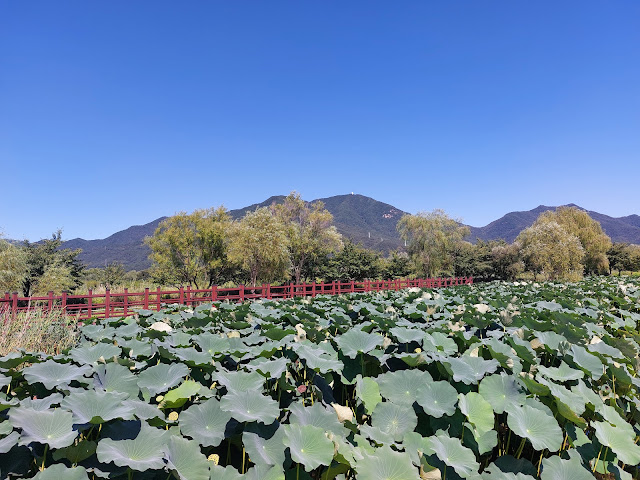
column 361, row 218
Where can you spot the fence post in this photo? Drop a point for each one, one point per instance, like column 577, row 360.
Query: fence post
column 353, row 286
column 241, row 293
column 125, row 301
column 146, row 298
column 214, row 293
column 268, row 291
column 188, row 300
column 90, row 305
column 50, row 301
column 313, row 289
column 181, row 299
column 14, row 306
column 158, row 298
column 107, row 303
column 64, row 301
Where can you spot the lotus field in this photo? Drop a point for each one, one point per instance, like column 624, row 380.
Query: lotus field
column 488, row 381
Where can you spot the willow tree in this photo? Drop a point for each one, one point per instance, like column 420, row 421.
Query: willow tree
column 259, row 244
column 431, row 239
column 309, row 230
column 13, row 267
column 594, row 241
column 191, row 248
column 549, row 249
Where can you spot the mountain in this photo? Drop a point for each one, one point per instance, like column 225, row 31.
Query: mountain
column 363, row 219
column 360, row 218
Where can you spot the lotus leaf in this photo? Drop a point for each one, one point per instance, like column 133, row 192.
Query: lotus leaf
column 401, row 387
column 8, row 442
column 205, row 423
column 265, row 451
column 386, row 464
column 394, row 420
column 177, row 397
column 308, row 445
column 53, row 374
column 470, row 370
column 97, row 406
column 540, row 429
column 500, row 391
column 477, row 410
column 241, row 381
column 563, row 373
column 318, row 416
column 100, row 352
column 56, row 472
column 145, row 452
column 246, row 407
column 555, row 468
column 53, row 427
column 162, row 377
column 619, row 441
column 368, row 392
column 437, row 398
column 185, row 459
column 451, row 452
column 355, row 341
column 115, row 378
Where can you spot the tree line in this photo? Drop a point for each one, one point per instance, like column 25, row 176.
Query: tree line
column 296, row 241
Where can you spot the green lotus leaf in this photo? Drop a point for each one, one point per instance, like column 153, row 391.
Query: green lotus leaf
column 5, row 428
column 540, row 429
column 394, row 420
column 205, row 423
column 308, row 445
column 437, row 398
column 13, row 359
column 193, row 356
column 250, row 407
column 8, row 442
column 618, row 440
column 407, row 335
column 470, row 370
column 42, row 403
column 162, row 377
column 500, row 391
column 137, row 349
column 263, row 472
column 224, row 473
column 368, row 391
column 477, row 410
column 263, row 449
column 53, row 427
column 440, row 343
column 58, row 471
column 611, row 415
column 185, row 459
column 100, row 352
column 606, row 350
column 318, row 416
column 96, row 406
column 402, row 386
column 485, row 441
column 386, row 464
column 145, row 452
column 576, row 402
column 318, row 359
column 454, row 454
column 588, row 362
column 270, row 368
column 143, row 410
column 555, row 468
column 53, row 374
column 355, row 341
column 212, row 344
column 563, row 373
column 177, row 397
column 76, row 453
column 492, row 472
column 241, row 381
column 4, row 381
column 113, row 377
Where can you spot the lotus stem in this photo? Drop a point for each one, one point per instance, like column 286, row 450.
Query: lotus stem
column 129, row 473
column 298, row 471
column 520, row 448
column 44, row 456
column 506, row 451
column 597, row 460
column 540, row 461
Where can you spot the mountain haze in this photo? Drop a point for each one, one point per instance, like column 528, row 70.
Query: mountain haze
column 360, row 218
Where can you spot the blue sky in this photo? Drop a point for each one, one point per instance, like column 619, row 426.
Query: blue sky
column 113, row 113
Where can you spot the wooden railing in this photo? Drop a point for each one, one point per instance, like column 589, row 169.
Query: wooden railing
column 109, row 304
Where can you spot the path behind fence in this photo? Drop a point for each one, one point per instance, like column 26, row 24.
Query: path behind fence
column 108, row 304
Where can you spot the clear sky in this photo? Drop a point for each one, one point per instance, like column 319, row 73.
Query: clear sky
column 113, row 113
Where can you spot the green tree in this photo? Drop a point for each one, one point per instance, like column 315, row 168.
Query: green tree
column 192, row 248
column 112, row 275
column 594, row 241
column 624, row 257
column 548, row 249
column 353, row 262
column 396, row 265
column 13, row 267
column 309, row 230
column 259, row 243
column 506, row 260
column 47, row 264
column 432, row 238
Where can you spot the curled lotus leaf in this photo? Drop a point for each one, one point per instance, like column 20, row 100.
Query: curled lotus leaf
column 619, row 441
column 263, row 449
column 555, row 468
column 58, row 471
column 90, row 355
column 162, row 377
column 53, row 427
column 492, row 472
column 541, row 429
column 355, row 341
column 241, row 381
column 477, row 410
column 263, row 472
column 270, row 368
column 178, row 396
column 470, row 370
column 96, row 406
column 42, row 403
column 437, row 398
column 454, row 454
column 438, row 342
column 394, row 420
column 500, row 391
column 386, row 464
column 319, row 359
column 318, row 416
column 113, row 377
column 368, row 391
column 246, row 407
column 407, row 335
column 217, row 472
column 8, row 442
column 205, row 423
column 587, row 361
column 212, row 344
column 563, row 373
column 145, row 452
column 143, row 410
column 53, row 374
column 402, row 386
column 308, row 445
column 185, row 459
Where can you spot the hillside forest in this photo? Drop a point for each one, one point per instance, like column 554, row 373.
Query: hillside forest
column 295, row 241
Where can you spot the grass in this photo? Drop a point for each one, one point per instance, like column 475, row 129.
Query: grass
column 37, row 331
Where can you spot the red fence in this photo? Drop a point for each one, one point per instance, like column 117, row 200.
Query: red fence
column 108, row 304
